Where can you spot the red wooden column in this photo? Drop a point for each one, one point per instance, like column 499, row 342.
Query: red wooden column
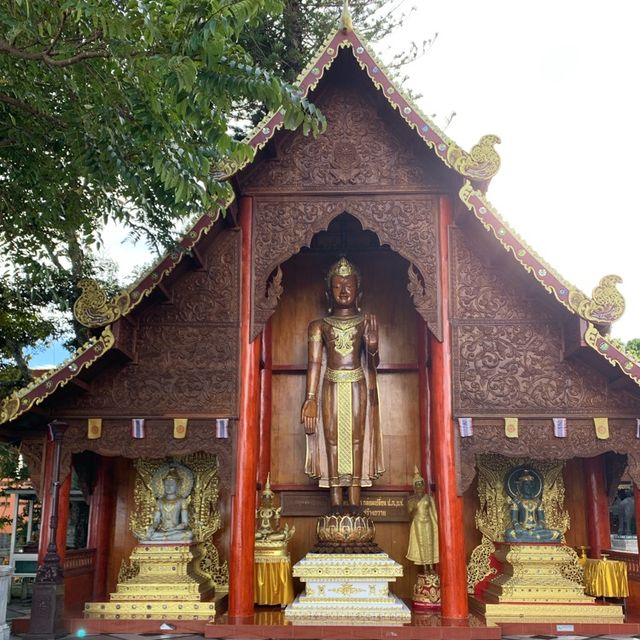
column 100, row 523
column 423, row 400
column 244, row 499
column 598, row 530
column 63, row 517
column 453, row 570
column 264, row 461
column 636, row 497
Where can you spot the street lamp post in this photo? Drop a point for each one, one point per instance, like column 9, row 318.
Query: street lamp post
column 47, row 605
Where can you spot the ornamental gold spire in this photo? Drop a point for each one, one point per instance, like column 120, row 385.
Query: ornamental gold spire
column 345, row 18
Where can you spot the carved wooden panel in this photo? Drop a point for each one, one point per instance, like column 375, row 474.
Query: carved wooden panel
column 408, row 224
column 518, row 369
column 187, row 349
column 508, row 351
column 358, row 150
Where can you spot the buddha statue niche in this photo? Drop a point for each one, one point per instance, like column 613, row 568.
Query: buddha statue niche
column 524, row 487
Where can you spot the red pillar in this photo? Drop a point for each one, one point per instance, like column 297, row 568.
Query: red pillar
column 63, row 517
column 598, row 530
column 453, row 570
column 244, row 500
column 636, row 497
column 423, row 402
column 264, row 462
column 100, row 523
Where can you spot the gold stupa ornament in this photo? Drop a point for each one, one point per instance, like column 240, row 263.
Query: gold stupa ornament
column 271, row 538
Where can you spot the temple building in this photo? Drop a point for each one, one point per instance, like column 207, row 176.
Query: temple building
column 498, row 388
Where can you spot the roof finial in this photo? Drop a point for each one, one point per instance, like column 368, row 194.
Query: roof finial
column 347, row 23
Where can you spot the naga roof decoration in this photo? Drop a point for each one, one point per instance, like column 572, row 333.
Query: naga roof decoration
column 93, row 309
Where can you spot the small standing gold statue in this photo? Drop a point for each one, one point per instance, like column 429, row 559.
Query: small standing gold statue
column 423, row 544
column 349, row 393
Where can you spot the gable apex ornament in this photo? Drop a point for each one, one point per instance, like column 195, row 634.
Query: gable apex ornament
column 346, row 23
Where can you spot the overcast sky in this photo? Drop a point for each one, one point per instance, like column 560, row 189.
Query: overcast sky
column 557, row 81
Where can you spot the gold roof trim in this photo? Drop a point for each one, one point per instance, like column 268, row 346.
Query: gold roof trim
column 42, row 387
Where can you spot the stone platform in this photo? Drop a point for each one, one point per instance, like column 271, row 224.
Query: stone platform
column 347, row 586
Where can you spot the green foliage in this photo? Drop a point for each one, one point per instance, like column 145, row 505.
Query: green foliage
column 633, row 349
column 119, row 110
column 113, row 111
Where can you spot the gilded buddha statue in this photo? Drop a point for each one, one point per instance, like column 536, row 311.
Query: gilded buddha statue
column 170, row 521
column 268, row 529
column 349, row 401
column 524, row 487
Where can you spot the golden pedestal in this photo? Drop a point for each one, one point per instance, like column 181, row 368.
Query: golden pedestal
column 531, row 588
column 169, row 585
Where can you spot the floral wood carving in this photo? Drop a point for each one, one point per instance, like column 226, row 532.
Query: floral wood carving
column 406, row 223
column 358, row 149
column 482, row 292
column 507, row 368
column 187, row 350
column 536, row 441
column 508, row 350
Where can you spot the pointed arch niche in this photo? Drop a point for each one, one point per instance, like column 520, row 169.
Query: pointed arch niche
column 384, row 282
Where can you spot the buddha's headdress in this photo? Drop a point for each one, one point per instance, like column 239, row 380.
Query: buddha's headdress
column 417, row 477
column 342, row 268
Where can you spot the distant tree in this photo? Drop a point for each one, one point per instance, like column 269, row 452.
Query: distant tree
column 284, row 43
column 633, row 348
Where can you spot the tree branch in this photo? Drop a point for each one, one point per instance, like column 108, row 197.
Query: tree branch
column 18, row 104
column 55, row 40
column 45, row 57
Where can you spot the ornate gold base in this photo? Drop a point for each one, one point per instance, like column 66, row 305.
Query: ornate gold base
column 154, row 610
column 532, row 588
column 169, row 583
column 347, row 587
column 167, row 572
column 426, row 592
column 551, row 612
column 533, row 573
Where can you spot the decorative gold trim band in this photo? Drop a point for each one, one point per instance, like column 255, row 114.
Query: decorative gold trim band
column 344, row 375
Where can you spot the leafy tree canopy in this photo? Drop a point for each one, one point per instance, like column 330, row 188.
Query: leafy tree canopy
column 120, row 110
